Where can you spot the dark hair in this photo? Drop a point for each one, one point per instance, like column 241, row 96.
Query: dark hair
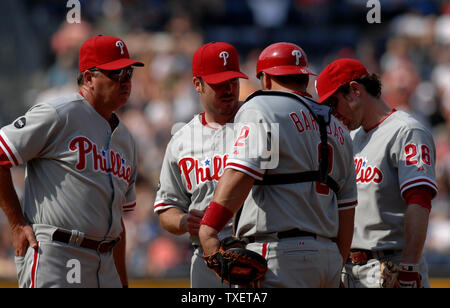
column 288, row 79
column 80, row 79
column 372, row 84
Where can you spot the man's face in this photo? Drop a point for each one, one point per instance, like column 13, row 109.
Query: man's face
column 220, row 100
column 113, row 87
column 347, row 109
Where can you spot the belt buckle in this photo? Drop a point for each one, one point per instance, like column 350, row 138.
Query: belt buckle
column 111, row 245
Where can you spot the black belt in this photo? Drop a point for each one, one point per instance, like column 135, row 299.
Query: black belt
column 286, row 234
column 99, row 246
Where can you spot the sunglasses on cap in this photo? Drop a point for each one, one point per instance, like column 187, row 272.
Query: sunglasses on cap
column 121, row 75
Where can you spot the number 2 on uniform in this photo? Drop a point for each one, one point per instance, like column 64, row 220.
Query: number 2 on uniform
column 243, row 135
column 413, row 156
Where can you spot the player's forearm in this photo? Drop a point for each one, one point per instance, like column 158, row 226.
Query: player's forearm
column 231, row 192
column 9, row 202
column 174, row 221
column 416, row 225
column 232, row 189
column 208, row 239
column 345, row 232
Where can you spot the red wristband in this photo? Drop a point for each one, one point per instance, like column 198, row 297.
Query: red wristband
column 216, row 216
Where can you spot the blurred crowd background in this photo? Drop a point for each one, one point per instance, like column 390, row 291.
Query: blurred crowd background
column 409, row 49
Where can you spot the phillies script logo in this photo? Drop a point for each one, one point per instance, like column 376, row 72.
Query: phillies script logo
column 212, row 169
column 85, row 147
column 365, row 173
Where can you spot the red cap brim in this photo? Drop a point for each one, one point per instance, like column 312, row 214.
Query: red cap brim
column 327, row 95
column 119, row 64
column 223, row 76
column 337, row 74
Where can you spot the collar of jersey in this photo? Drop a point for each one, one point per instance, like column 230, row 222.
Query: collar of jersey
column 382, row 120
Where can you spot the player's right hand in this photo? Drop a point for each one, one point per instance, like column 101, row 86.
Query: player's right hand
column 22, row 237
column 193, row 219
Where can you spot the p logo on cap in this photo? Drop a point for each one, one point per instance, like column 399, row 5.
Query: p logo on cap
column 120, row 44
column 225, row 56
column 216, row 62
column 281, row 59
column 105, row 53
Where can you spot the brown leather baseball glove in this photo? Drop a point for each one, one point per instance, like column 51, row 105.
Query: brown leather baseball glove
column 237, row 265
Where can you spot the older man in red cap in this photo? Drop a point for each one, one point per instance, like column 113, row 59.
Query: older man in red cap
column 81, row 166
column 196, row 156
column 395, row 174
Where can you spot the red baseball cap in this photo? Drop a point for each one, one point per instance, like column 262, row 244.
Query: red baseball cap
column 337, row 74
column 283, row 59
column 216, row 62
column 106, row 53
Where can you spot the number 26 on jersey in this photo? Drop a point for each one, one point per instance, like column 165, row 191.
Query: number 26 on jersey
column 416, row 154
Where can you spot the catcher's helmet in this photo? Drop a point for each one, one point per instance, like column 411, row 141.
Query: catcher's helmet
column 283, row 59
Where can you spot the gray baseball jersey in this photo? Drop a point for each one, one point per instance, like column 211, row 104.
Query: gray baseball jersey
column 193, row 164
column 80, row 174
column 396, row 155
column 308, row 206
column 279, row 135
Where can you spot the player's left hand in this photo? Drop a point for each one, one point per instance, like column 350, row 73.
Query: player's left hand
column 237, row 265
column 193, row 221
column 22, row 237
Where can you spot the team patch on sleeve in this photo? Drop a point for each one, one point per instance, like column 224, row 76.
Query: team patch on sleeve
column 20, row 122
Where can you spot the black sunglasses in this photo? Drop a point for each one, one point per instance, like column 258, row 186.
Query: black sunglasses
column 121, row 75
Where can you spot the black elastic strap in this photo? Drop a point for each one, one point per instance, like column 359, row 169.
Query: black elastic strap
column 321, row 114
column 301, row 177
